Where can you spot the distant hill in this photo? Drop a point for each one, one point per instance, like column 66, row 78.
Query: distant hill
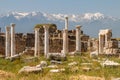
column 91, row 22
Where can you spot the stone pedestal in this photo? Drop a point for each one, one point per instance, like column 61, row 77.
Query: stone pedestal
column 46, row 39
column 12, row 40
column 37, row 42
column 7, row 44
column 65, row 41
column 78, row 39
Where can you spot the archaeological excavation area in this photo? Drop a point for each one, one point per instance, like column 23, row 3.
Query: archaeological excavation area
column 52, row 54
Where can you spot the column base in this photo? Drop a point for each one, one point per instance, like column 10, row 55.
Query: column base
column 17, row 56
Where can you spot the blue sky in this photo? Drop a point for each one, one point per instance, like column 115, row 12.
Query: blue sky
column 107, row 7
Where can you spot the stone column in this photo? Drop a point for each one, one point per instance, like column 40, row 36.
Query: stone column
column 12, row 40
column 78, row 39
column 101, row 43
column 89, row 45
column 46, row 39
column 7, row 44
column 106, row 40
column 65, row 41
column 66, row 33
column 66, row 23
column 37, row 42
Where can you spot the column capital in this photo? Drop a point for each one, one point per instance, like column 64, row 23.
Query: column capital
column 12, row 24
column 37, row 29
column 101, row 34
column 7, row 28
column 66, row 17
column 46, row 27
column 65, row 30
column 78, row 26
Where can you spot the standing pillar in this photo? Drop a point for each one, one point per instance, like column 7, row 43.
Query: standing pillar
column 66, row 23
column 12, row 40
column 78, row 40
column 106, row 40
column 65, row 41
column 37, row 42
column 65, row 33
column 7, row 44
column 101, row 43
column 46, row 39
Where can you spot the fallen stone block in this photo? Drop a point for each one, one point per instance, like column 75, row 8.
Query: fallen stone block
column 94, row 54
column 72, row 64
column 109, row 63
column 42, row 64
column 57, row 56
column 28, row 69
column 55, row 62
column 86, row 69
column 57, row 70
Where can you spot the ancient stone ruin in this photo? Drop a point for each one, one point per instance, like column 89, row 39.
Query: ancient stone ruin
column 47, row 39
column 105, row 44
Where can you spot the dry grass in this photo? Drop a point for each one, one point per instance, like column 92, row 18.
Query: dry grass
column 9, row 70
column 5, row 75
column 84, row 77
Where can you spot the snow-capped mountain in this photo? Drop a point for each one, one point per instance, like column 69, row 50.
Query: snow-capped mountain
column 91, row 22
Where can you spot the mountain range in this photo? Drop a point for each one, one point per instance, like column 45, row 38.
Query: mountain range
column 91, row 22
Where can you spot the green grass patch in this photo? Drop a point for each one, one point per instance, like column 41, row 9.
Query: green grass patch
column 96, row 68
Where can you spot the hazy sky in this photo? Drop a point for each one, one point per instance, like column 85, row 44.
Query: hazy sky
column 107, row 7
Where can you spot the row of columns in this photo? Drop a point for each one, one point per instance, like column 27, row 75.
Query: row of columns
column 10, row 41
column 46, row 41
column 65, row 39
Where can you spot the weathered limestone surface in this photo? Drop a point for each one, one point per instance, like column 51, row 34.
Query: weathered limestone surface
column 29, row 69
column 94, row 54
column 112, row 44
column 104, row 37
column 101, row 44
column 37, row 42
column 46, row 39
column 56, row 56
column 78, row 39
column 24, row 41
column 33, row 69
column 12, row 40
column 66, row 23
column 42, row 64
column 7, row 54
column 110, row 63
column 65, row 41
column 57, row 70
column 112, row 51
column 72, row 64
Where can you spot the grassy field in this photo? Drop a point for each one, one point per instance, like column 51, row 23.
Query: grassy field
column 97, row 70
